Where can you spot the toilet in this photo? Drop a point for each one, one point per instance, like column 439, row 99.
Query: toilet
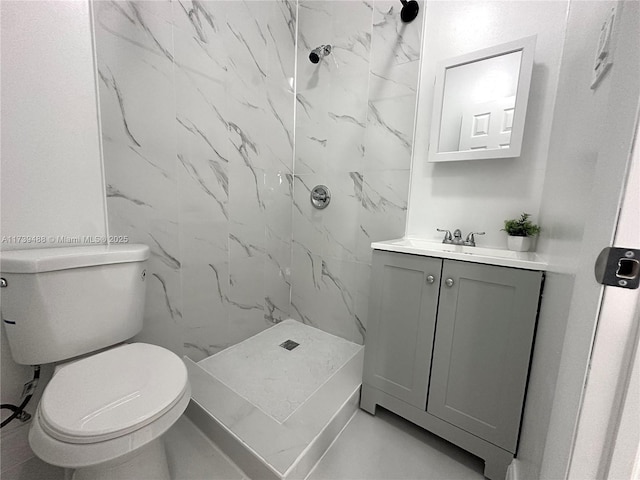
column 104, row 411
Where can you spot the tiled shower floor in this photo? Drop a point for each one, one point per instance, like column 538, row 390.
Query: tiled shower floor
column 273, row 410
column 277, row 380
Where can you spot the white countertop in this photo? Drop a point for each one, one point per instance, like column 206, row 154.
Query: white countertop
column 489, row 256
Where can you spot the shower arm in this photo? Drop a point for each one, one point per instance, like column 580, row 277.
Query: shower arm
column 319, row 53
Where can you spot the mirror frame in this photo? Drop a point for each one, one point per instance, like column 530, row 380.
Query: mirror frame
column 527, row 47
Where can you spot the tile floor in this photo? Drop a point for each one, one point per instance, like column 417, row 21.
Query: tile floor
column 383, row 447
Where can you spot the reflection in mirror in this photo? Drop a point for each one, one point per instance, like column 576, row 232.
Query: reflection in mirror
column 478, row 105
column 480, row 102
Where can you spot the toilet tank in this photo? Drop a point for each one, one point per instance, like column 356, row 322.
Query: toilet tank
column 58, row 303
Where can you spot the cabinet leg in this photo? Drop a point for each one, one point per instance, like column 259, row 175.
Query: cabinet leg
column 368, row 400
column 496, row 468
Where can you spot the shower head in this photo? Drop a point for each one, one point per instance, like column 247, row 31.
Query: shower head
column 409, row 10
column 319, row 53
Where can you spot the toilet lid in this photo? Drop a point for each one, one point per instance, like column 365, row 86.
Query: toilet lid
column 112, row 393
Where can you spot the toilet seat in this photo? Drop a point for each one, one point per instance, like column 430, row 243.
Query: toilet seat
column 80, row 455
column 112, row 394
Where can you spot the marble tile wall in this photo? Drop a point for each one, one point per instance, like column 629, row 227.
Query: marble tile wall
column 197, row 111
column 354, row 129
column 212, row 140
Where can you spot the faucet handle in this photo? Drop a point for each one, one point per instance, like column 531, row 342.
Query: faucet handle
column 471, row 240
column 447, row 235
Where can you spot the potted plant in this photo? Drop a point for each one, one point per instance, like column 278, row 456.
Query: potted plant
column 519, row 233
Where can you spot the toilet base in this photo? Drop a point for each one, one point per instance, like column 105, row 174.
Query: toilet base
column 149, row 461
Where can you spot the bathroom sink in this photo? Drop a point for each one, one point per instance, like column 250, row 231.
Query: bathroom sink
column 490, row 256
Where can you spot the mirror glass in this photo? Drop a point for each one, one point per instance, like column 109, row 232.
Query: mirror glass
column 478, row 104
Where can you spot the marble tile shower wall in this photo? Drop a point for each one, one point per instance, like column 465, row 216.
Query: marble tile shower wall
column 198, row 103
column 197, row 108
column 354, row 128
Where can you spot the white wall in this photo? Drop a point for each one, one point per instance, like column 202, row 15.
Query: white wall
column 479, row 195
column 51, row 167
column 51, row 175
column 590, row 144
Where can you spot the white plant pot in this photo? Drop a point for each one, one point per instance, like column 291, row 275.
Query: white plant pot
column 519, row 244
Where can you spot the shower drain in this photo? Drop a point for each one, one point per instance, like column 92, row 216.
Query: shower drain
column 289, row 344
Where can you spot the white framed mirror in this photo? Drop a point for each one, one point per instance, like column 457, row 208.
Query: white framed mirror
column 480, row 103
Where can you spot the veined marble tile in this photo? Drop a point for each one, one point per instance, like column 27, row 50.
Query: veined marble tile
column 245, row 321
column 203, row 101
column 351, row 25
column 277, row 290
column 345, row 150
column 202, row 184
column 308, row 229
column 202, row 157
column 277, row 193
column 201, row 19
column 160, row 8
column 394, row 81
column 202, row 342
column 341, row 217
column 261, row 124
column 246, row 39
column 361, row 308
column 346, row 26
column 202, row 55
column 313, row 130
column 135, row 86
column 389, row 134
column 281, row 42
column 139, row 23
column 245, row 276
column 163, row 316
column 205, row 277
column 314, row 25
column 153, row 199
column 384, row 208
column 276, row 380
column 395, row 42
column 323, row 293
column 247, row 206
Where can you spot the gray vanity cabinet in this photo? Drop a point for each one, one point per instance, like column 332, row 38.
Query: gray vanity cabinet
column 486, row 323
column 448, row 347
column 401, row 323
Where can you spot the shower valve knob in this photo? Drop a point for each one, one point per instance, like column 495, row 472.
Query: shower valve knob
column 320, row 196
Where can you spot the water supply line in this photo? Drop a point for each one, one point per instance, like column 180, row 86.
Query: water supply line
column 27, row 393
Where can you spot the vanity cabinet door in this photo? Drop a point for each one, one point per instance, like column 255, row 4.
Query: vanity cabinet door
column 402, row 311
column 484, row 337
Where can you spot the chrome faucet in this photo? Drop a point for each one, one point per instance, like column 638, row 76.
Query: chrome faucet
column 447, row 236
column 470, row 241
column 456, row 238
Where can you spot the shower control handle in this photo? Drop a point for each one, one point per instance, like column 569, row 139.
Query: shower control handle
column 320, row 196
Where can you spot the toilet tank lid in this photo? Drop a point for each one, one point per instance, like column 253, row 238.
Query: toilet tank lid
column 50, row 259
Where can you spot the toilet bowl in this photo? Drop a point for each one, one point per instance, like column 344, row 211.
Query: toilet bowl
column 103, row 415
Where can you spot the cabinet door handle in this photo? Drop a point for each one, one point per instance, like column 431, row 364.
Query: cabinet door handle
column 449, row 282
column 431, row 279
